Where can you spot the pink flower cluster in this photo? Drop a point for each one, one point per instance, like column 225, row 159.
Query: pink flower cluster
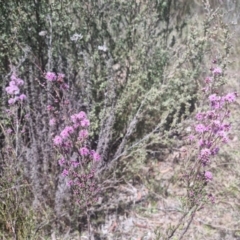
column 211, row 130
column 217, row 71
column 79, row 123
column 208, row 176
column 218, row 102
column 53, row 77
column 14, row 90
column 72, row 141
column 210, row 133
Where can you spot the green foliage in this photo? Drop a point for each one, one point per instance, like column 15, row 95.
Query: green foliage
column 132, row 72
column 17, row 219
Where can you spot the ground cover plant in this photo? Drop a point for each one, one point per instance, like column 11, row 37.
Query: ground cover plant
column 95, row 96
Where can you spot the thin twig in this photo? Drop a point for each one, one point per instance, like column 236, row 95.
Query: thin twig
column 12, row 188
column 188, row 225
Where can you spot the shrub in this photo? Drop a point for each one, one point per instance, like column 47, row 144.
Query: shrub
column 134, row 67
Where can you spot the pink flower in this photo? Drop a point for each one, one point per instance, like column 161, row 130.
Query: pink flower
column 76, row 125
column 200, row 128
column 205, row 152
column 64, row 86
column 12, row 83
column 67, row 145
column 211, row 114
column 57, row 141
column 213, row 98
column 22, row 97
column 77, row 118
column 13, row 77
column 215, row 151
column 217, row 71
column 52, row 122
column 51, row 76
column 83, row 134
column 69, row 129
column 12, row 90
column 208, row 143
column 223, row 136
column 230, row 97
column 74, row 118
column 81, row 115
column 19, row 82
column 60, row 76
column 16, row 81
column 226, row 127
column 84, row 151
column 204, row 156
column 66, row 132
column 216, row 101
column 12, row 101
column 199, row 116
column 75, row 164
column 217, row 105
column 61, row 161
column 216, row 126
column 95, row 156
column 70, row 183
column 65, row 172
column 201, row 142
column 208, row 176
column 85, row 123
